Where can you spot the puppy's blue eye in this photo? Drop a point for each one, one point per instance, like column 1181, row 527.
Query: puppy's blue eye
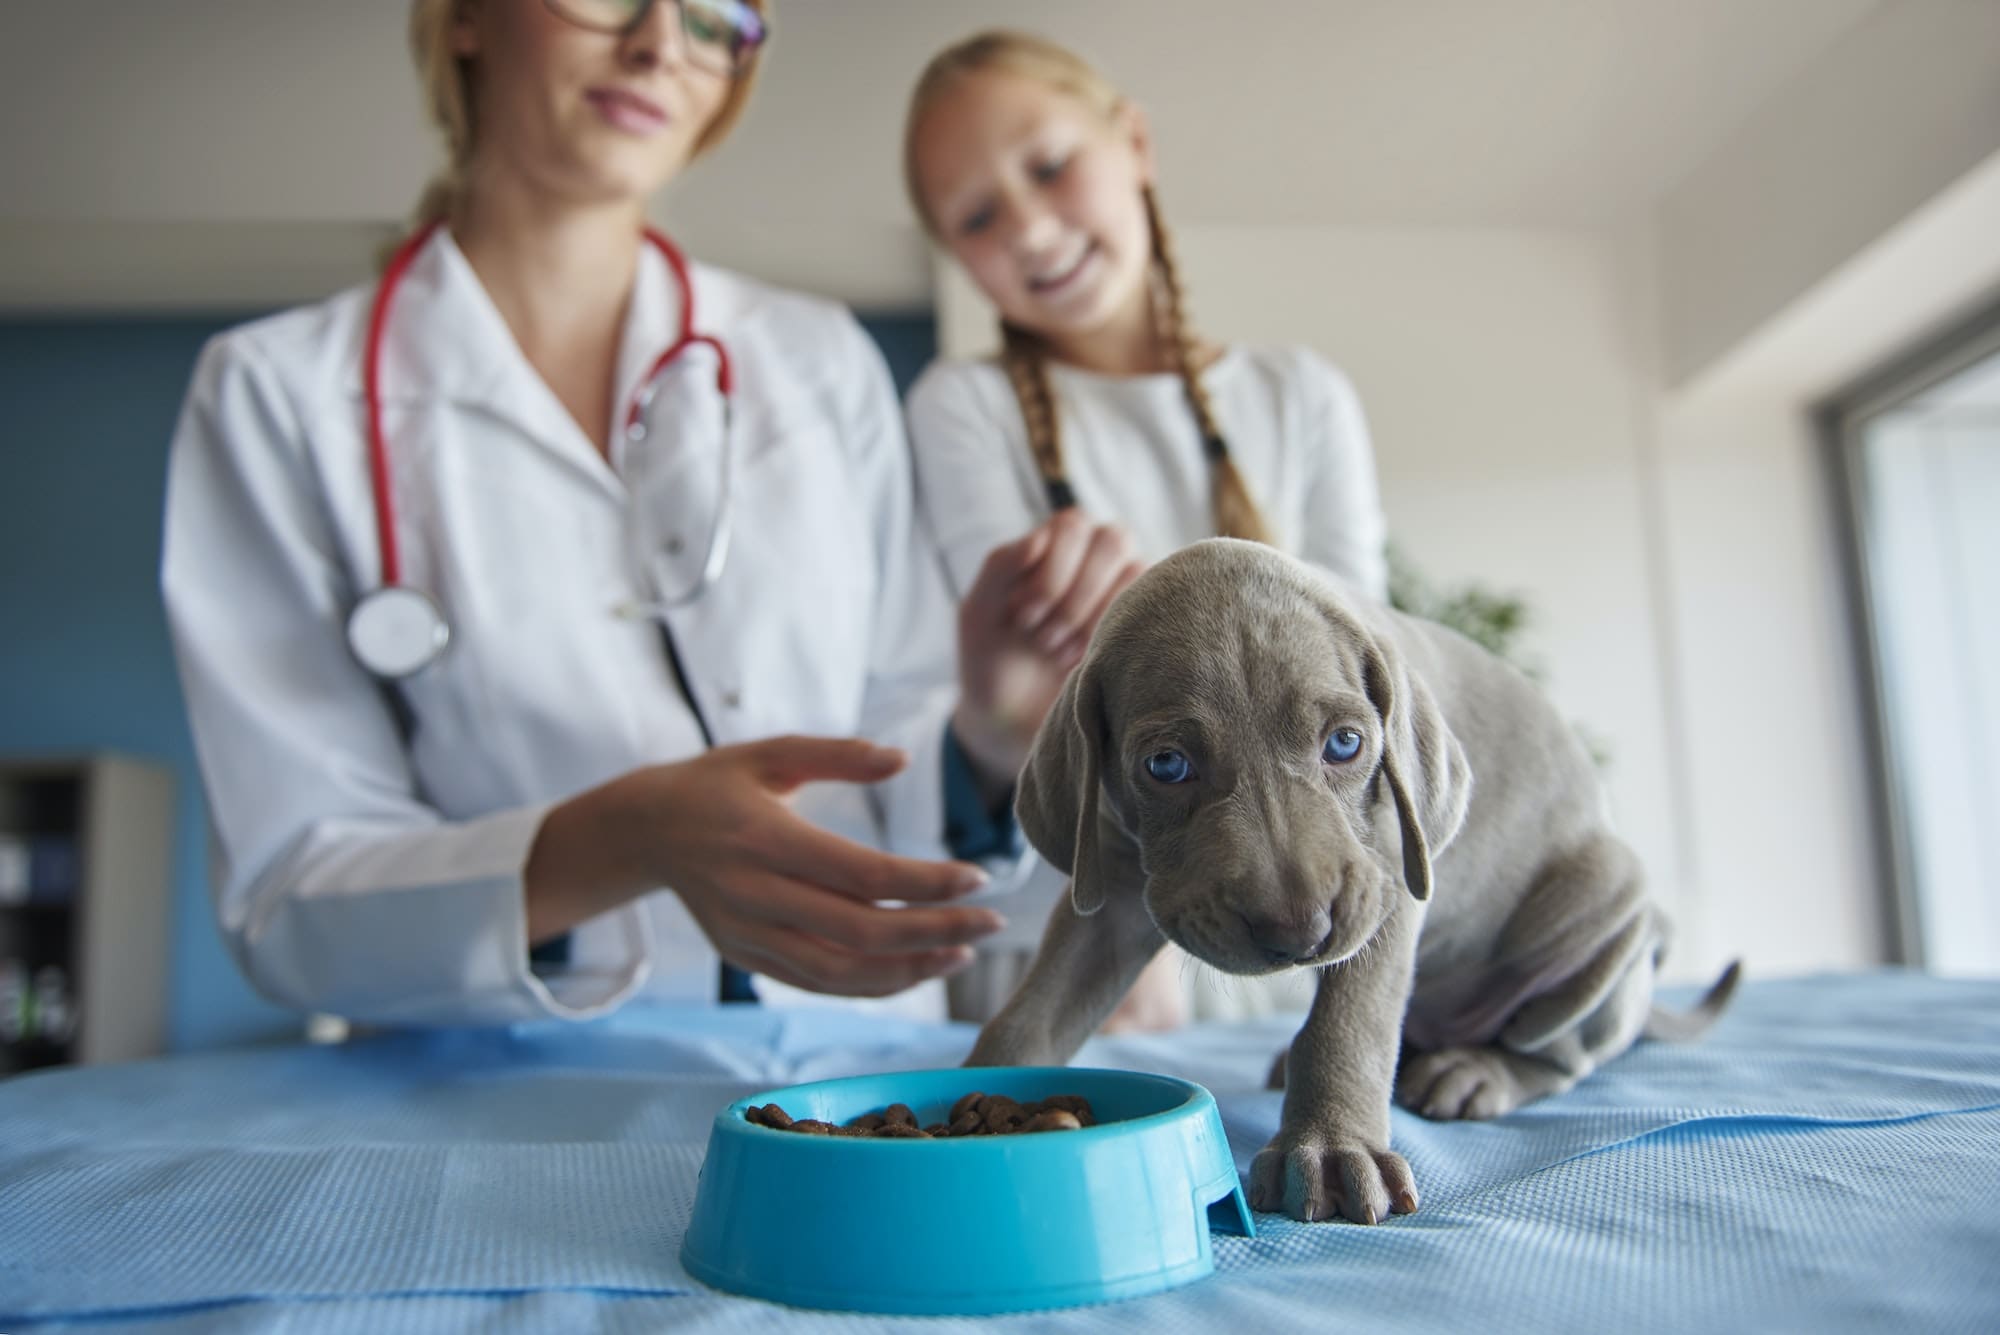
column 1341, row 747
column 1169, row 767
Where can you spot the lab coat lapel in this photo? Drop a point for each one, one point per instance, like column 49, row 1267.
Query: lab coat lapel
column 445, row 339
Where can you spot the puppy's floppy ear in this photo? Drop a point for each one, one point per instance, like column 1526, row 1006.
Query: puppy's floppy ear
column 1057, row 796
column 1422, row 762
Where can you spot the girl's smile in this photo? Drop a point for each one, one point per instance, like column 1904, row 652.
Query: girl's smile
column 1041, row 197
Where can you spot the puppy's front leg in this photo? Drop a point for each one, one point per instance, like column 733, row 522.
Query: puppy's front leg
column 1084, row 966
column 1331, row 1154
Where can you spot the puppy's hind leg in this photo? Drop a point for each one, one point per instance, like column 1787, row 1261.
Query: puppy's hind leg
column 1586, row 941
column 1475, row 1083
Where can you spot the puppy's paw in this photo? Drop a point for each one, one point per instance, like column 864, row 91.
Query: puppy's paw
column 1461, row 1083
column 1311, row 1176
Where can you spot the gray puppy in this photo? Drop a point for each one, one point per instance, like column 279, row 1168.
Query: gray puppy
column 1276, row 774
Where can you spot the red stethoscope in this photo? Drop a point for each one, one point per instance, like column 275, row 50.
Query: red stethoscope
column 396, row 630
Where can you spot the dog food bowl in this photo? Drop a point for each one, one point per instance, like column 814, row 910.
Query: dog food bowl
column 966, row 1225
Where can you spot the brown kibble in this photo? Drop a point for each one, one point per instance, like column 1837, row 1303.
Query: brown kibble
column 976, row 1114
column 1074, row 1104
column 1054, row 1119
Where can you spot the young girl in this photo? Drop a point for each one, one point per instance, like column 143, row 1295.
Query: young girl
column 1038, row 177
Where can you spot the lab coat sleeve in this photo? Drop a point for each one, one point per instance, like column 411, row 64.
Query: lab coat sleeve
column 913, row 677
column 975, row 489
column 337, row 888
column 1345, row 530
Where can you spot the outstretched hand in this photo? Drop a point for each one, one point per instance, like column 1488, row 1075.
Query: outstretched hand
column 774, row 893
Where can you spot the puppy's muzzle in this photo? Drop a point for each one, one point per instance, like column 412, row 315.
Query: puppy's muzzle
column 1292, row 939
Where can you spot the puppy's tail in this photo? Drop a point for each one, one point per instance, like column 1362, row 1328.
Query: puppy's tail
column 1689, row 1025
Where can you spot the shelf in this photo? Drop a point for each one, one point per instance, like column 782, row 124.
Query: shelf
column 32, row 1054
column 92, row 836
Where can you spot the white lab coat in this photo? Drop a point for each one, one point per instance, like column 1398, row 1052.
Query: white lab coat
column 375, row 873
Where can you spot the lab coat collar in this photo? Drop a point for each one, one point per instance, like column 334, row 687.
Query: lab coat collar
column 445, row 339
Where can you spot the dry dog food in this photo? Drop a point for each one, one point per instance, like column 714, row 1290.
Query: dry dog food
column 976, row 1114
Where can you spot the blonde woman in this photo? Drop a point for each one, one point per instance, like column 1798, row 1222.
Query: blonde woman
column 552, row 617
column 1038, row 178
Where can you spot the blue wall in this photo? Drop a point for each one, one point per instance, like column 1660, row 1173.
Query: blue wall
column 86, row 412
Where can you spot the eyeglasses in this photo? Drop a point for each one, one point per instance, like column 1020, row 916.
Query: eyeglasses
column 718, row 36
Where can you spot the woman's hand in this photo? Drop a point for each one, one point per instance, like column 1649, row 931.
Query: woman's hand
column 1024, row 624
column 774, row 893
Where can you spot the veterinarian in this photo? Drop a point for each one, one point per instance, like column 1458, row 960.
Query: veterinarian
column 500, row 586
column 1038, row 177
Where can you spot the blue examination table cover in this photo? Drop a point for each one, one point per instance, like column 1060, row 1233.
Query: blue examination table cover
column 1828, row 1159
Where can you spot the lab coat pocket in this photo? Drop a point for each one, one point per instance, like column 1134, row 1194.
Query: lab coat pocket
column 804, row 556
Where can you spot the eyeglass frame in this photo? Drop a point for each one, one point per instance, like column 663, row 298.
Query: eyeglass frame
column 747, row 54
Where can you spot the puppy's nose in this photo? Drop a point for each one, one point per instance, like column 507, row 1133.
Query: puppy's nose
column 1291, row 937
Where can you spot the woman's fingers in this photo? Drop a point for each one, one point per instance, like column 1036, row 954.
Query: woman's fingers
column 819, row 857
column 802, row 961
column 784, row 901
column 784, row 763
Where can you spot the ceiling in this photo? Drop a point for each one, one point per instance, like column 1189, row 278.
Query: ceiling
column 157, row 146
column 1425, row 112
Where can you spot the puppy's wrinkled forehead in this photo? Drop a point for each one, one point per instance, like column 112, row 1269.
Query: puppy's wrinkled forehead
column 1229, row 629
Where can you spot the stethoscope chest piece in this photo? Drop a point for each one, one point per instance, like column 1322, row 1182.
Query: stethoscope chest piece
column 396, row 631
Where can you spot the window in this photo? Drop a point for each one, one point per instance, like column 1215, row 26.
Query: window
column 1917, row 461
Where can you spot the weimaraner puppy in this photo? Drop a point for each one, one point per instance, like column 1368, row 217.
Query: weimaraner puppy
column 1276, row 774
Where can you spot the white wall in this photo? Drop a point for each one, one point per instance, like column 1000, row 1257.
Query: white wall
column 1784, row 870
column 1761, row 638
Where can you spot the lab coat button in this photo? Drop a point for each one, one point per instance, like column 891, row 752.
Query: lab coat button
column 675, row 546
column 732, row 699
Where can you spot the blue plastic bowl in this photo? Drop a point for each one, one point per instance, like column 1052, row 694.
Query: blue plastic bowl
column 967, row 1225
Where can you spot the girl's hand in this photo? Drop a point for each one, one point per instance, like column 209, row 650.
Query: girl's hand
column 774, row 893
column 1024, row 624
